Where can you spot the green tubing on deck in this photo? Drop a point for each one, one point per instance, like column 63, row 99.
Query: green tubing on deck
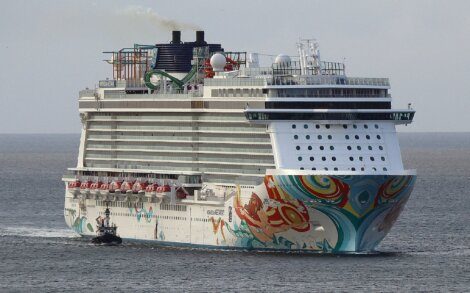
column 177, row 82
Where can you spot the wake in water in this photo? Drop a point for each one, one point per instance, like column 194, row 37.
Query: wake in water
column 37, row 232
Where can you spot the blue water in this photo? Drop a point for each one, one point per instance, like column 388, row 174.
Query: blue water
column 427, row 250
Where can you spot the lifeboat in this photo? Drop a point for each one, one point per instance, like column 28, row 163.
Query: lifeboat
column 126, row 186
column 115, row 186
column 161, row 191
column 74, row 187
column 181, row 193
column 85, row 188
column 139, row 187
column 104, row 190
column 95, row 188
column 151, row 190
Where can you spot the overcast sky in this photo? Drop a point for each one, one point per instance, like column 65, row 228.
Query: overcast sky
column 49, row 50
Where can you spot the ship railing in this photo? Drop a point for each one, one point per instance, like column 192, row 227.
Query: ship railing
column 235, row 82
column 86, row 93
column 327, row 80
column 123, row 95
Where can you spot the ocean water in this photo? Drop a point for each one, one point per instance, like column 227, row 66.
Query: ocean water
column 427, row 250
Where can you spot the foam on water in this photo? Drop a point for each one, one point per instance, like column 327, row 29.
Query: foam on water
column 37, row 232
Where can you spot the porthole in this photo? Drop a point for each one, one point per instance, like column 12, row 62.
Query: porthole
column 346, row 136
column 354, row 126
column 309, row 147
column 351, row 158
column 385, row 169
column 326, row 169
column 294, row 126
column 332, row 147
column 372, row 159
column 319, row 136
column 299, row 158
column 353, row 169
column 370, row 148
column 296, row 136
column 361, row 158
column 322, row 148
column 378, row 136
column 327, row 126
column 313, row 169
column 349, row 147
column 381, row 147
column 333, row 158
column 335, row 168
column 297, row 148
column 307, row 137
column 302, row 168
column 323, row 158
column 345, row 126
column 376, row 126
column 362, row 168
column 374, row 169
column 317, row 126
column 382, row 158
column 312, row 158
column 358, row 147
column 367, row 136
column 356, row 136
column 330, row 137
column 365, row 126
column 305, row 126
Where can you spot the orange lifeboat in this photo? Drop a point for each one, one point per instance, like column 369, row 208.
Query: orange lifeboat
column 86, row 184
column 74, row 187
column 126, row 186
column 115, row 186
column 139, row 187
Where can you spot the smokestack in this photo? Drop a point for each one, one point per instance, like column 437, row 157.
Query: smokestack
column 200, row 37
column 176, row 37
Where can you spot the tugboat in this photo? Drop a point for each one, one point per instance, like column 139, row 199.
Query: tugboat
column 105, row 231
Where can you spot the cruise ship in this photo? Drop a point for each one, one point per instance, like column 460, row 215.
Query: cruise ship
column 192, row 145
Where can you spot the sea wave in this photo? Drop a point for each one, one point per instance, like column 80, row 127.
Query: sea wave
column 43, row 232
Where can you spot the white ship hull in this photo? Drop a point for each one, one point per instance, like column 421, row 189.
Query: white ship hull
column 346, row 213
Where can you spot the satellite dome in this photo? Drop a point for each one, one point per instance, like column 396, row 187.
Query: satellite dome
column 282, row 59
column 218, row 62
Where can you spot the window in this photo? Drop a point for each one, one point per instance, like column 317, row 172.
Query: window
column 360, row 159
column 356, row 136
column 385, row 169
column 319, row 136
column 322, row 148
column 346, row 136
column 333, row 158
column 307, row 137
column 376, row 126
column 354, row 126
column 302, row 168
column 382, row 158
column 294, row 126
column 309, row 147
column 349, row 148
column 299, row 158
column 378, row 136
column 351, row 158
column 313, row 169
column 368, row 136
column 381, row 147
column 365, row 126
column 327, row 126
column 305, row 126
column 312, row 158
column 372, row 159
column 330, row 137
column 332, row 147
column 317, row 126
column 336, row 169
column 370, row 148
column 353, row 169
column 358, row 147
column 323, row 158
column 345, row 126
column 297, row 148
column 296, row 136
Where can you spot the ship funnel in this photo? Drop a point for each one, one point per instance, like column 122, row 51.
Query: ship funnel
column 200, row 37
column 176, row 37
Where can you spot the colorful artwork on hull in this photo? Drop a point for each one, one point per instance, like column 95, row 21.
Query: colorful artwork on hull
column 78, row 223
column 142, row 213
column 324, row 213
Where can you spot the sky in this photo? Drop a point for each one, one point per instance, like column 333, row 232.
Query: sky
column 49, row 50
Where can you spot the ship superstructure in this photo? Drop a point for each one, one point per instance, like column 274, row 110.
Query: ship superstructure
column 189, row 144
